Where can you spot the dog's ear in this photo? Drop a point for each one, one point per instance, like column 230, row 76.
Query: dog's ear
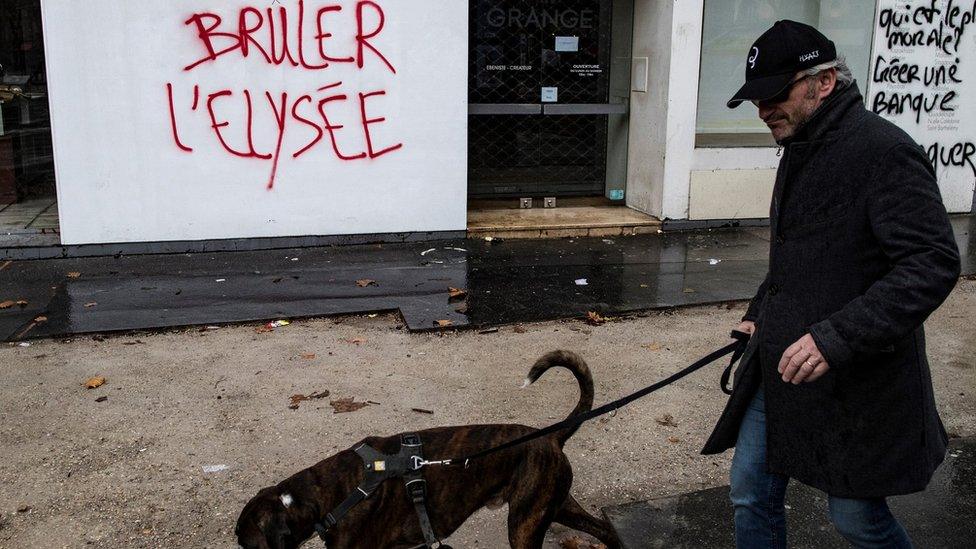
column 278, row 533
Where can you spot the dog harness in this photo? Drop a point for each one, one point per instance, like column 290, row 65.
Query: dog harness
column 379, row 468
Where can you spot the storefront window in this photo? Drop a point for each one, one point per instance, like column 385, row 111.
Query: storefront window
column 731, row 27
column 27, row 187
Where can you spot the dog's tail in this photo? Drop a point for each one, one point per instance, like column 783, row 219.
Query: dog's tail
column 572, row 362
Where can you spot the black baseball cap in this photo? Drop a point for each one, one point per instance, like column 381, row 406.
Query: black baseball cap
column 782, row 51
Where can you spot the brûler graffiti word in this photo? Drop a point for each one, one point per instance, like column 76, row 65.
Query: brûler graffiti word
column 302, row 37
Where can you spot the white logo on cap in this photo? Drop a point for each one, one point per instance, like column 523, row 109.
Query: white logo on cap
column 812, row 55
column 753, row 57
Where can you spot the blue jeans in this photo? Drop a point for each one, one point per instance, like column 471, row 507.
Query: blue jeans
column 758, row 498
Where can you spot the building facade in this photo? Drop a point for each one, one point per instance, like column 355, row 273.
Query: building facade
column 183, row 121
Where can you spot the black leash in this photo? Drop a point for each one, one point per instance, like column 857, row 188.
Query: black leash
column 735, row 349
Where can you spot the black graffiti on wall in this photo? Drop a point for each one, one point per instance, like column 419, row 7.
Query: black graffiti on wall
column 929, row 92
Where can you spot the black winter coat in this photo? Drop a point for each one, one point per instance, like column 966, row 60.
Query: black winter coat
column 861, row 254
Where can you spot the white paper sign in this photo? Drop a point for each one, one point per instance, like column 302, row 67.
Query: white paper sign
column 190, row 119
column 923, row 78
column 550, row 95
column 567, row 43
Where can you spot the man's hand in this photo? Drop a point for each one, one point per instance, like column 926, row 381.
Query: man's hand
column 802, row 361
column 747, row 326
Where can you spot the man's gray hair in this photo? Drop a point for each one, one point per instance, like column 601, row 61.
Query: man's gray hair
column 844, row 75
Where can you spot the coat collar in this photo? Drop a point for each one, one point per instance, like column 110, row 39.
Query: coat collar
column 829, row 117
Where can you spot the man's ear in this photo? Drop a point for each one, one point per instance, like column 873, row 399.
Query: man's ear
column 826, row 82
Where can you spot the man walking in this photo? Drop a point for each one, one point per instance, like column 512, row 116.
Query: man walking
column 834, row 389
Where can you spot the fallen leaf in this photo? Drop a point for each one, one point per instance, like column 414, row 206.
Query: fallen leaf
column 95, row 382
column 456, row 293
column 8, row 304
column 652, row 346
column 355, row 340
column 74, row 275
column 462, row 309
column 519, row 329
column 366, row 282
column 594, row 318
column 443, row 323
column 674, row 440
column 263, row 329
column 298, row 399
column 91, row 304
column 308, row 356
column 667, row 420
column 346, row 405
column 41, row 319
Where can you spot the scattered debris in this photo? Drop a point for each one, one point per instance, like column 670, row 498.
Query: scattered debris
column 294, row 259
column 271, row 326
column 346, row 405
column 214, row 468
column 443, row 323
column 489, row 331
column 667, row 420
column 221, row 280
column 91, row 304
column 688, row 290
column 374, row 315
column 593, row 318
column 644, row 286
column 41, row 319
column 74, row 275
column 101, row 399
column 489, row 238
column 422, row 411
column 95, row 382
column 365, row 282
column 456, row 293
column 8, row 304
column 355, row 340
column 98, row 338
column 674, row 440
column 582, row 282
column 24, row 508
column 519, row 329
column 652, row 346
column 209, row 328
column 298, row 399
column 308, row 356
column 136, row 342
column 425, row 252
column 23, row 344
column 714, row 261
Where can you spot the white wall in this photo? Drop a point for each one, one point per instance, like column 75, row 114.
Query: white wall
column 123, row 176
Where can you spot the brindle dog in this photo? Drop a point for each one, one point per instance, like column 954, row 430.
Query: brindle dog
column 534, row 479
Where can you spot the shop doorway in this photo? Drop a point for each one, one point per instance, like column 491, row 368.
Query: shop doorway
column 28, row 203
column 549, row 84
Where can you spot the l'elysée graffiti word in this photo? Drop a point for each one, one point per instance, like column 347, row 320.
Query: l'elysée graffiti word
column 268, row 36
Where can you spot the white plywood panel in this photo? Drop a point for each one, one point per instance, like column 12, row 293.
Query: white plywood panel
column 731, row 194
column 137, row 163
column 923, row 78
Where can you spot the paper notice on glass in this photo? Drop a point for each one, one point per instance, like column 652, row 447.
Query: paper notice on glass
column 550, row 95
column 567, row 43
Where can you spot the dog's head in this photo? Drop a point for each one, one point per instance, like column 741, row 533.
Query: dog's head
column 267, row 522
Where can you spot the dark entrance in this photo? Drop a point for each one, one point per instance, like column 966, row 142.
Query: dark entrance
column 539, row 94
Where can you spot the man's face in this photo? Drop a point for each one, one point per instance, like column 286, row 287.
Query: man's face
column 785, row 113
